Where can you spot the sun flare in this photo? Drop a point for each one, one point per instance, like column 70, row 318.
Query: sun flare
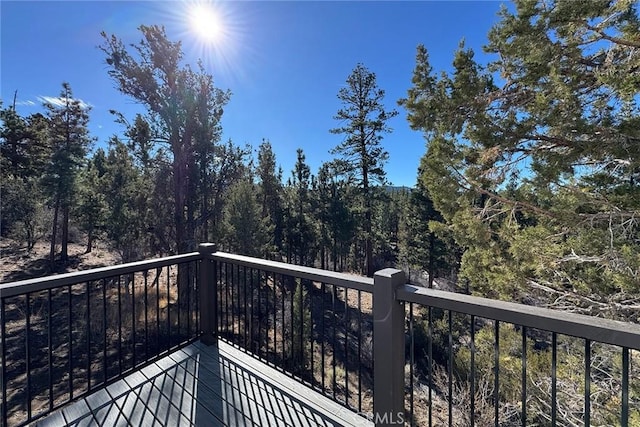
column 212, row 33
column 205, row 22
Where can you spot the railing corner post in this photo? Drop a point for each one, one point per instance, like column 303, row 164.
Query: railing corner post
column 388, row 348
column 208, row 295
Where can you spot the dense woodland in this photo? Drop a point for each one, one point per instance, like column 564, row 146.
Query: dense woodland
column 528, row 189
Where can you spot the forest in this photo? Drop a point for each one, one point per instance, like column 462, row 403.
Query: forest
column 528, row 190
column 528, row 187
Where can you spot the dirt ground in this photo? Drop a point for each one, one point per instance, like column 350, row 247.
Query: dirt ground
column 18, row 264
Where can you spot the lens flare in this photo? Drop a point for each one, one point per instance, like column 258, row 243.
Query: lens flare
column 206, row 23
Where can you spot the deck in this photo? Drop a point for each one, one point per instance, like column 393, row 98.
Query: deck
column 205, row 386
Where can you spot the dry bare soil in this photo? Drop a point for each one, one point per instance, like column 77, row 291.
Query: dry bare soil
column 16, row 263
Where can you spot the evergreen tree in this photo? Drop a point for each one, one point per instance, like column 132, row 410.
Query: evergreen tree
column 24, row 149
column 123, row 191
column 336, row 221
column 184, row 109
column 230, row 168
column 425, row 242
column 270, row 195
column 246, row 229
column 300, row 234
column 535, row 172
column 69, row 140
column 363, row 120
column 91, row 209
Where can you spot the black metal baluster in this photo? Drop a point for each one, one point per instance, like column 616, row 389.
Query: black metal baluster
column 587, row 383
column 226, row 300
column 360, row 351
column 198, row 266
column 234, row 306
column 473, row 371
column 275, row 299
column 88, row 320
column 119, row 325
column 524, row 376
column 27, row 352
column 411, row 362
column 157, row 281
column 554, row 380
column 310, row 292
column 624, row 416
column 496, row 378
column 260, row 306
column 188, row 313
column 252, row 323
column 104, row 328
column 132, row 279
column 221, row 300
column 322, row 340
column 333, row 344
column 346, row 347
column 217, row 303
column 50, row 348
column 168, row 308
column 3, row 338
column 70, row 305
column 293, row 323
column 146, row 314
column 246, row 308
column 450, row 368
column 238, row 307
column 283, row 334
column 302, row 326
column 430, row 379
column 179, row 279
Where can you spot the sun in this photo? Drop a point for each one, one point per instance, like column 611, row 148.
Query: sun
column 213, row 33
column 206, row 23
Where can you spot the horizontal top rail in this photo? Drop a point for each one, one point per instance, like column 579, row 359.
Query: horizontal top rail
column 315, row 274
column 48, row 282
column 607, row 331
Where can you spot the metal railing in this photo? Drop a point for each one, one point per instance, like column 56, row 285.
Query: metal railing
column 314, row 325
column 438, row 358
column 64, row 336
column 477, row 362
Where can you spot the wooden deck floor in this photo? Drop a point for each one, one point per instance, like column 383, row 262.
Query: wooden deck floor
column 205, row 386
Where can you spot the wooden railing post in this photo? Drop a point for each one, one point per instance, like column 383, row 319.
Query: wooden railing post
column 388, row 348
column 208, row 295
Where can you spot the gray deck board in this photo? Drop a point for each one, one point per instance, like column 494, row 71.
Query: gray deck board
column 203, row 385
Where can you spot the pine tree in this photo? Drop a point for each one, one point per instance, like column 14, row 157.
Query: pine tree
column 125, row 219
column 533, row 158
column 24, row 150
column 336, row 220
column 270, row 195
column 300, row 234
column 246, row 229
column 69, row 140
column 363, row 120
column 184, row 108
column 91, row 209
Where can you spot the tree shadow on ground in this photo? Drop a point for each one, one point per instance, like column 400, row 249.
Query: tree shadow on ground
column 40, row 267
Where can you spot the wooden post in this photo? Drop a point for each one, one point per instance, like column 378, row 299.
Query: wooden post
column 388, row 348
column 208, row 295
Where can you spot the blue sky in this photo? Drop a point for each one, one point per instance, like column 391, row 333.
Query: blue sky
column 284, row 62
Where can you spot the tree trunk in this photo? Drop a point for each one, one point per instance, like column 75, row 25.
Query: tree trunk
column 431, row 258
column 54, row 232
column 64, row 253
column 89, row 241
